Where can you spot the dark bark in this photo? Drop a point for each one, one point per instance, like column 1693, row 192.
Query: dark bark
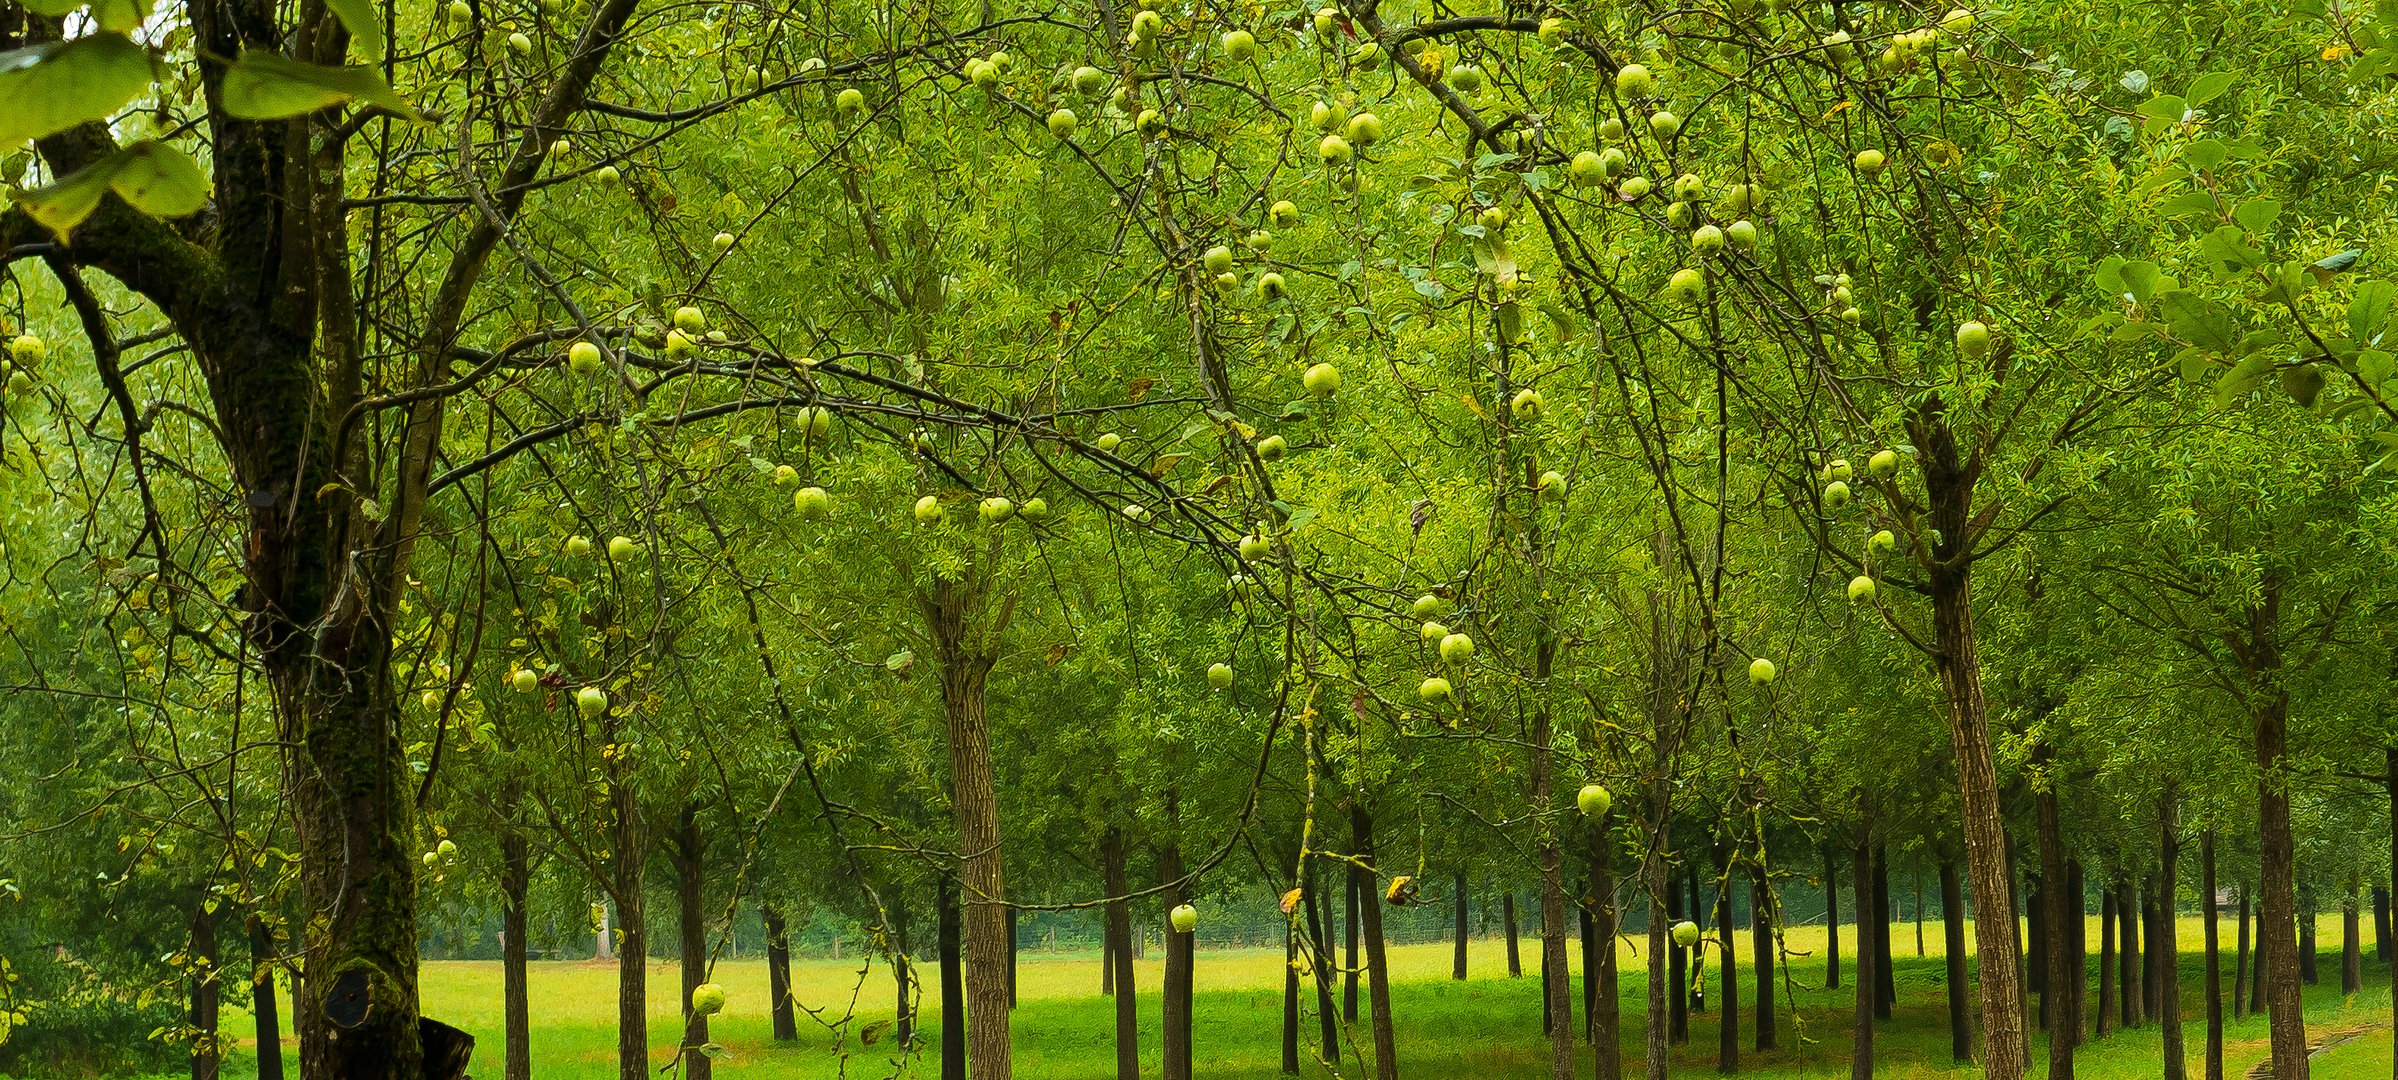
column 965, row 644
column 2036, row 950
column 1952, row 930
column 1664, row 996
column 1867, row 995
column 903, row 971
column 205, row 992
column 778, row 976
column 1115, row 879
column 1761, row 946
column 2276, row 946
column 1515, row 963
column 2381, row 922
column 2106, row 961
column 954, row 1019
column 1605, row 1011
column 1457, row 963
column 1290, row 996
column 2256, row 968
column 2239, row 981
column 1589, row 939
column 1319, row 923
column 2151, row 985
column 2352, row 958
column 2077, row 938
column 1174, row 1035
column 2127, row 954
column 1677, row 1019
column 1696, row 911
column 2213, row 959
column 1727, row 1047
column 1884, row 975
column 2062, row 972
column 264, row 1009
column 2168, row 935
column 2307, row 948
column 688, row 854
column 1354, row 879
column 516, row 879
column 628, row 861
column 1831, row 919
column 1012, row 914
column 1378, row 985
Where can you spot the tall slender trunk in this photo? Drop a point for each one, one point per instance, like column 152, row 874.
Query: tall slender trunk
column 1727, row 1046
column 628, row 858
column 1868, row 997
column 1174, row 1035
column 2127, row 955
column 2389, row 779
column 1290, row 995
column 2277, row 947
column 1885, row 977
column 2307, row 949
column 2152, row 984
column 1605, row 1012
column 1697, row 913
column 1351, row 970
column 2062, row 973
column 1118, row 883
column 1761, row 945
column 1831, row 919
column 1677, row 1018
column 264, row 1009
column 688, row 854
column 2036, row 947
column 778, row 975
column 1515, row 963
column 2239, row 980
column 1952, row 930
column 1319, row 922
column 2381, row 922
column 2352, row 957
column 965, row 654
column 1012, row 915
column 954, row 1018
column 1457, row 963
column 1949, row 480
column 516, row 879
column 1656, row 880
column 2168, row 950
column 206, row 992
column 2214, row 957
column 1589, row 928
column 2077, row 936
column 2106, row 961
column 1107, row 958
column 2256, row 966
column 1378, row 981
column 903, row 971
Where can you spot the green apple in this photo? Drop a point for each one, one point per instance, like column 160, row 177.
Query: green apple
column 785, row 476
column 1869, row 162
column 1686, row 933
column 1882, row 543
column 1611, row 129
column 1365, row 129
column 1852, row 316
column 1034, row 509
column 1148, row 24
column 1466, row 77
column 1838, row 469
column 578, row 546
column 1707, row 240
column 1492, row 218
column 1593, row 800
column 1269, row 285
column 1432, row 632
column 928, row 510
column 1427, row 606
column 1326, row 20
column 447, row 849
column 850, row 102
column 1633, row 189
column 1664, row 125
column 1254, row 547
column 1687, row 286
column 1259, row 241
column 1835, row 495
column 1679, row 214
column 1836, row 45
column 1321, row 379
column 1527, row 404
column 1219, row 676
column 1150, row 122
column 461, row 12
column 1552, row 30
column 723, row 241
column 1860, row 589
column 1633, row 80
column 1284, row 213
column 996, row 509
column 707, row 999
column 591, row 701
column 1228, row 283
column 1367, row 56
column 583, row 358
column 621, row 548
column 1107, row 442
column 431, row 700
column 1334, row 150
column 1737, row 199
column 1456, row 648
column 1271, row 448
column 679, row 345
column 1327, row 117
column 1062, row 122
column 1689, row 188
column 1742, row 234
column 1552, row 484
column 1613, row 162
column 1882, row 463
column 1957, row 21
column 1217, row 260
column 607, row 176
column 1434, row 690
column 1184, row 918
column 1588, row 169
column 815, row 421
column 1240, row 46
column 28, row 350
column 812, row 502
column 1973, row 339
column 1762, row 671
column 1089, row 81
column 431, row 858
column 524, row 681
column 520, row 44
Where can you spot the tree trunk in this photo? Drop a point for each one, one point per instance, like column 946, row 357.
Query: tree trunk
column 1557, row 982
column 2239, row 980
column 1727, row 1046
column 628, row 858
column 1350, row 968
column 1457, row 964
column 1290, row 995
column 954, row 1013
column 2152, row 981
column 2307, row 949
column 1665, row 996
column 206, row 992
column 2352, row 957
column 1952, row 929
column 2077, row 935
column 1321, row 961
column 2382, row 907
column 2106, row 961
column 1118, row 883
column 1181, row 953
column 965, row 654
column 2381, row 923
column 2061, row 973
column 264, row 1009
column 2256, row 967
column 2036, row 947
column 1590, row 963
column 778, row 975
column 903, row 971
column 2277, row 948
column 1677, row 1018
column 691, row 926
column 1515, row 963
column 1378, row 983
column 2127, row 955
column 1884, row 975
column 1868, row 995
column 1012, row 914
column 516, row 880
column 1831, row 919
column 2214, row 957
column 1761, row 945
column 2168, row 948
column 1605, row 1012
column 1697, row 913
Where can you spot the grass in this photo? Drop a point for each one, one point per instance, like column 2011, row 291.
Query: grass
column 1488, row 1026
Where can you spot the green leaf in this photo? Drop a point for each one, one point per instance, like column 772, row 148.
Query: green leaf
column 2370, row 310
column 2228, row 249
column 2196, row 320
column 52, row 87
column 63, row 205
column 364, row 24
column 2164, row 107
column 2110, row 275
column 52, row 8
column 2258, row 215
column 2242, row 380
column 269, row 86
column 159, row 179
column 2205, row 154
column 2191, row 204
column 2210, row 86
column 2139, row 280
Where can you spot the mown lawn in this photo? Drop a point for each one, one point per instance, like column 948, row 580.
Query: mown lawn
column 1488, row 1026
